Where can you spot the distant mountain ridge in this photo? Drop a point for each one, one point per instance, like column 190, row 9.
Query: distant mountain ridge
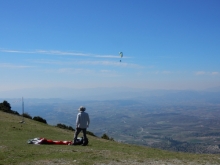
column 112, row 93
column 214, row 89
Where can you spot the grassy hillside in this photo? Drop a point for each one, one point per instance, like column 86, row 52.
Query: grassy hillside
column 15, row 150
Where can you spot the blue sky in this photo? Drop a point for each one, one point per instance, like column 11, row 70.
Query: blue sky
column 167, row 44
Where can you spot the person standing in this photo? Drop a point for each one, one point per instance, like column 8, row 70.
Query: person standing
column 82, row 123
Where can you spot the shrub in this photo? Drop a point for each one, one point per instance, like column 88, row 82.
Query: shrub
column 26, row 115
column 40, row 119
column 63, row 126
column 14, row 112
column 105, row 136
column 71, row 128
column 6, row 107
column 90, row 133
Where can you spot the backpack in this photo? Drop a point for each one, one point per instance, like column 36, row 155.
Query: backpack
column 81, row 141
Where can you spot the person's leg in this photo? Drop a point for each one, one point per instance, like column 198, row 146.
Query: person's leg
column 84, row 133
column 85, row 140
column 77, row 131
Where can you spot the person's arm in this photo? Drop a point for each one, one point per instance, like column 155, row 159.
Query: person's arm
column 88, row 121
column 77, row 121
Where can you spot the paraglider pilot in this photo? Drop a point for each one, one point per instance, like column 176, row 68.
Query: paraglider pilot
column 82, row 123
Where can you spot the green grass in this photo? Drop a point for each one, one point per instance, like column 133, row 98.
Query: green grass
column 15, row 150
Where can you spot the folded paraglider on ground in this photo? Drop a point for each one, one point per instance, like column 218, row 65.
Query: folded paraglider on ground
column 48, row 141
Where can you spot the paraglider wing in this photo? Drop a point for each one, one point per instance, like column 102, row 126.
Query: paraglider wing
column 121, row 54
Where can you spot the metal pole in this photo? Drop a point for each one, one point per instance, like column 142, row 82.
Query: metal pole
column 22, row 109
column 22, row 121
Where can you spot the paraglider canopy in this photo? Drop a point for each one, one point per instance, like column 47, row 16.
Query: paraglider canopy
column 121, row 55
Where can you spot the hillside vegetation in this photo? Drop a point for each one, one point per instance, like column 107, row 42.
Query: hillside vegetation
column 15, row 150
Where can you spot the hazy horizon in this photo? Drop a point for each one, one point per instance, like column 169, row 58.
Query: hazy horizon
column 100, row 93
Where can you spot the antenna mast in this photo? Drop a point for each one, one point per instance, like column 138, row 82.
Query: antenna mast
column 22, row 109
column 22, row 121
